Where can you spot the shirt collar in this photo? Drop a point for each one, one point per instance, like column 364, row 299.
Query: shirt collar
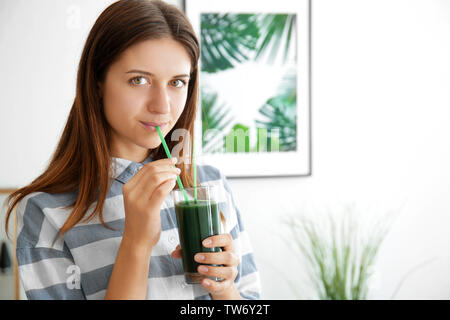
column 124, row 169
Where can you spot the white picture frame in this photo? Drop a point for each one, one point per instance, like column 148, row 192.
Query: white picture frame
column 295, row 162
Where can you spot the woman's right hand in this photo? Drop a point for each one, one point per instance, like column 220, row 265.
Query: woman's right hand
column 143, row 196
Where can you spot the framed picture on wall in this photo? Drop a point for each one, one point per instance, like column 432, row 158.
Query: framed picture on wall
column 254, row 86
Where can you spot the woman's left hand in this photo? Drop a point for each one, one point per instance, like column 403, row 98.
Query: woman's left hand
column 224, row 289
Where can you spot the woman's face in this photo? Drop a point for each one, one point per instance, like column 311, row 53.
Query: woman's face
column 147, row 84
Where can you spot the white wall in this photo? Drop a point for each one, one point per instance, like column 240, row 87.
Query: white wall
column 380, row 140
column 41, row 42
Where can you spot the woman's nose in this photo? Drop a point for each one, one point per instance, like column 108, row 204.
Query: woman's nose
column 159, row 100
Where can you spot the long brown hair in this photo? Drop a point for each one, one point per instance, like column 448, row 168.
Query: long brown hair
column 82, row 160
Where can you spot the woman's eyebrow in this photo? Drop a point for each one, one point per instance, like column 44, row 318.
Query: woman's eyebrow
column 151, row 74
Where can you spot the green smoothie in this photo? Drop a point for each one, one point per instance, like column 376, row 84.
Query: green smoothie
column 196, row 222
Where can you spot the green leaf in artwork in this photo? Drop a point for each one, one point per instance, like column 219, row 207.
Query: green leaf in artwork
column 226, row 40
column 215, row 118
column 238, row 139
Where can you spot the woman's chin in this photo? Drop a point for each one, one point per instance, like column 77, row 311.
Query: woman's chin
column 152, row 144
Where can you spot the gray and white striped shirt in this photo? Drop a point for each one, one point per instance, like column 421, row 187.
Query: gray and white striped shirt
column 81, row 262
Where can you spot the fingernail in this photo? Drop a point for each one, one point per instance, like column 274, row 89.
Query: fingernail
column 207, row 283
column 207, row 242
column 178, row 170
column 199, row 257
column 202, row 269
column 174, row 160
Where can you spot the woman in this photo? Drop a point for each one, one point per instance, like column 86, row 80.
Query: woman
column 98, row 222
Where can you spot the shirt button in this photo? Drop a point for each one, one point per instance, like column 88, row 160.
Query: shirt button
column 172, row 239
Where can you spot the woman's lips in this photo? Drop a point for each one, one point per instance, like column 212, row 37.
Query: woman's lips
column 152, row 125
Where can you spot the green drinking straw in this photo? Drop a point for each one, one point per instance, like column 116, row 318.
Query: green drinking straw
column 195, row 171
column 169, row 156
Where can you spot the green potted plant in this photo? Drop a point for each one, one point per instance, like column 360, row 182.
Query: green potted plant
column 339, row 252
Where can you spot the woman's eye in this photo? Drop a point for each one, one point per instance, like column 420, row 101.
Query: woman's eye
column 178, row 83
column 138, row 80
